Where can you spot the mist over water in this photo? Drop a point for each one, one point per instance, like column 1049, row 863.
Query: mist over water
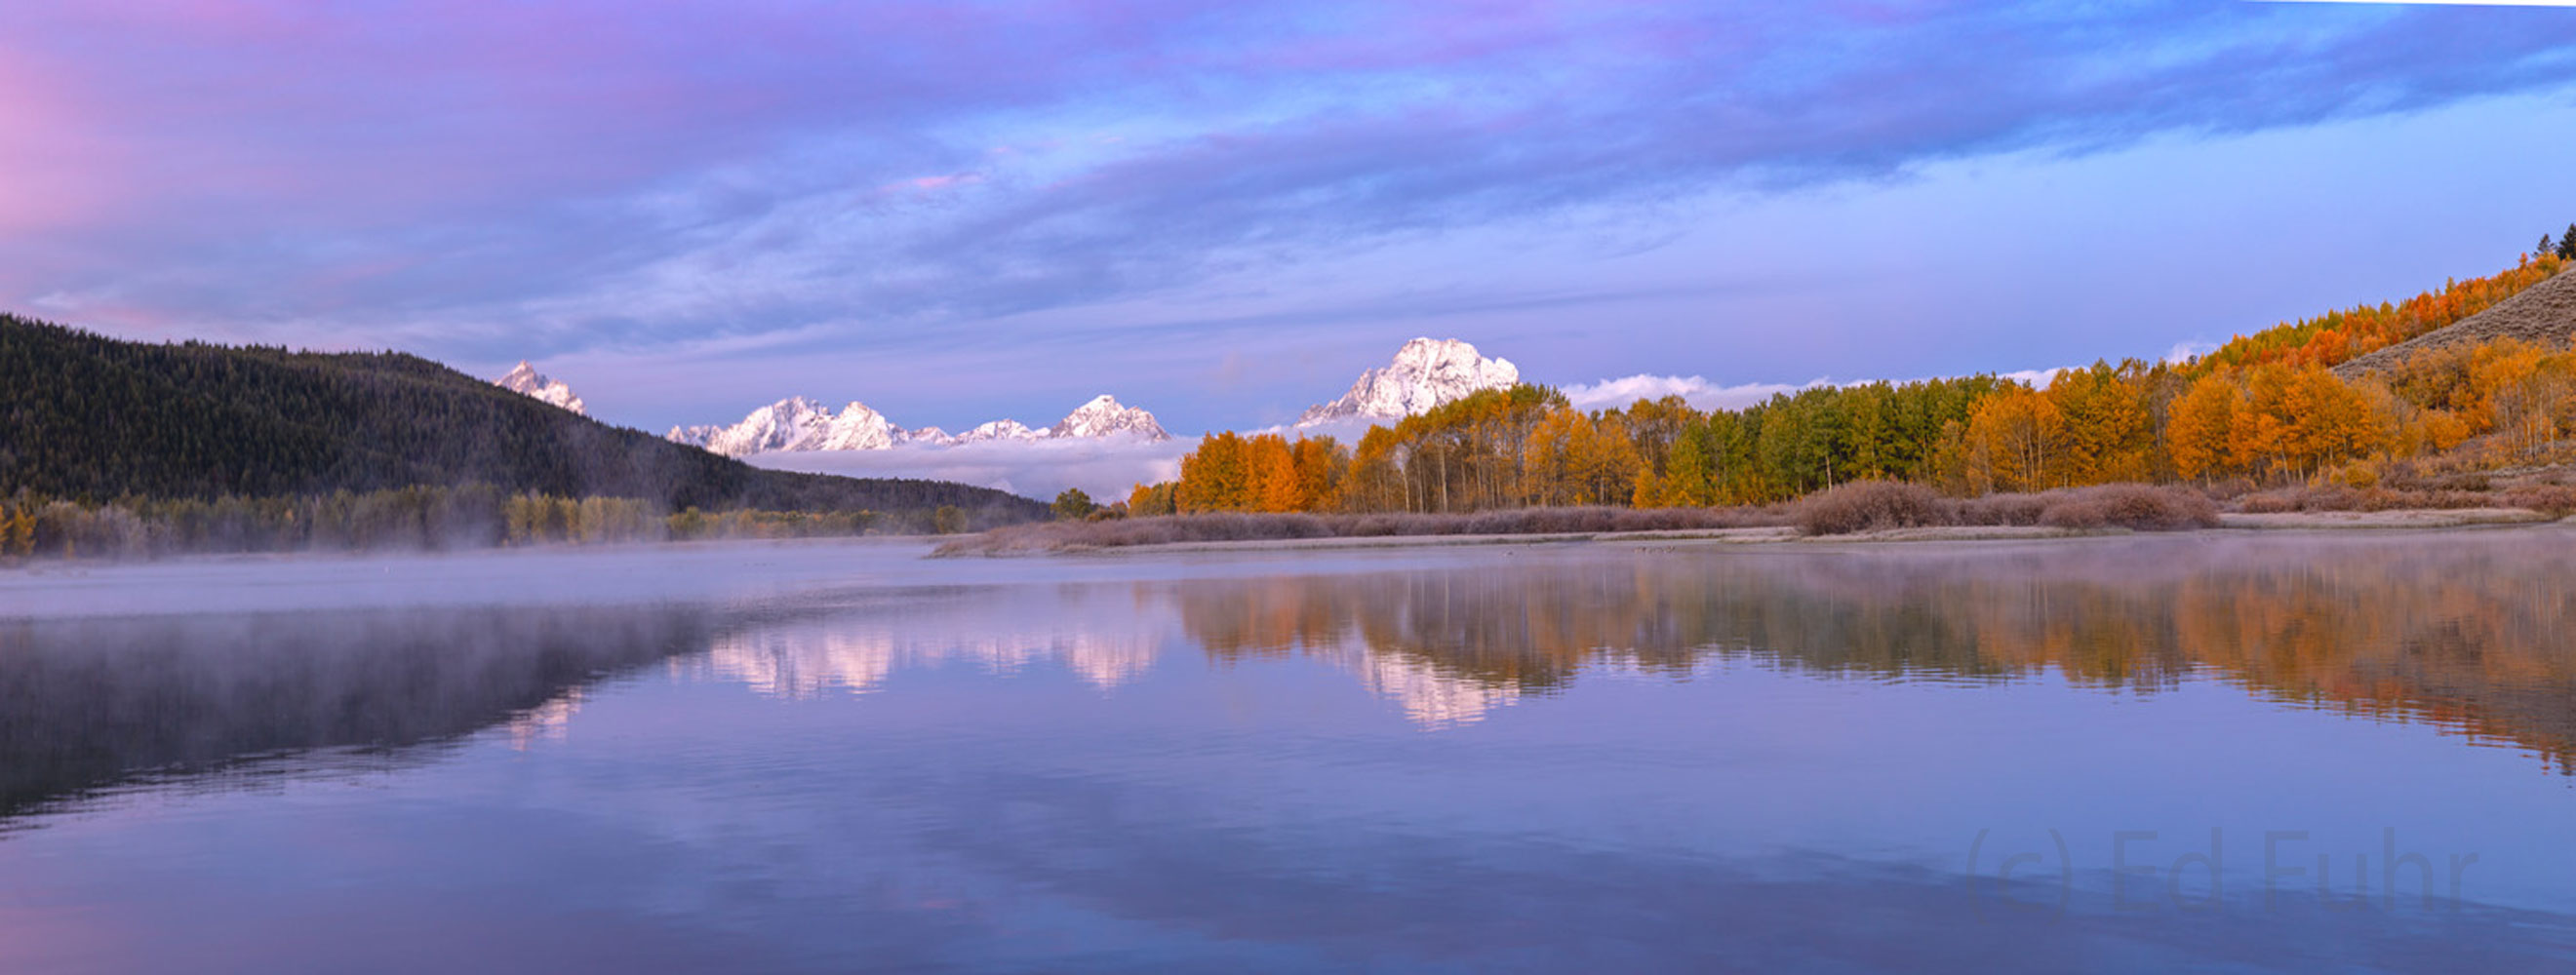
column 1660, row 756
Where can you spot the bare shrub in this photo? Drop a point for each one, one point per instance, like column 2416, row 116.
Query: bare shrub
column 1871, row 506
column 2555, row 500
column 2139, row 507
column 2338, row 497
column 2002, row 509
column 2300, row 498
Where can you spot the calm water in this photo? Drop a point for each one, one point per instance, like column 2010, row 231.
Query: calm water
column 2209, row 753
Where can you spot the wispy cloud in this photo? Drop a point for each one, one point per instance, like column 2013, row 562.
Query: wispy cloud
column 498, row 180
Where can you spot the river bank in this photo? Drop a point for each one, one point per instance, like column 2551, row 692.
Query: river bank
column 1028, row 542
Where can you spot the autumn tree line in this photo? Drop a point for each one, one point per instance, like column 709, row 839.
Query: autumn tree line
column 2262, row 410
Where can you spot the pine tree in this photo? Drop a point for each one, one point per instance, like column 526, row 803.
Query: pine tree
column 2567, row 244
column 2547, row 247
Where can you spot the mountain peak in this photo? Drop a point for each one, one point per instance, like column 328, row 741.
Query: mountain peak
column 1424, row 374
column 797, row 423
column 524, row 379
column 800, row 423
column 1104, row 417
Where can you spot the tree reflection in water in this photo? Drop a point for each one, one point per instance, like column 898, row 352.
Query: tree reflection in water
column 88, row 703
column 2467, row 632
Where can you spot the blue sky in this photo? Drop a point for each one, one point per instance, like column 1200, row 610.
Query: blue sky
column 1223, row 212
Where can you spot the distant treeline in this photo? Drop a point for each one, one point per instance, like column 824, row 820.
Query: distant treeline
column 89, row 418
column 2263, row 410
column 474, row 516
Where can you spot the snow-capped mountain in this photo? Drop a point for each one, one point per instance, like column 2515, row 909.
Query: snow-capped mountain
column 1001, row 430
column 1103, row 417
column 1426, row 373
column 526, row 379
column 799, row 423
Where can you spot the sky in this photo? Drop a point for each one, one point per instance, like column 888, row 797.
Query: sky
column 962, row 211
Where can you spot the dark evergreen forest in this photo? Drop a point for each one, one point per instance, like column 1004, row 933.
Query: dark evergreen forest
column 85, row 416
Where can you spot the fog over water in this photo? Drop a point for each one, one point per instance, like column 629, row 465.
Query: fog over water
column 817, row 756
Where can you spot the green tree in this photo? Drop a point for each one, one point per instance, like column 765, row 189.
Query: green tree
column 1073, row 505
column 2567, row 244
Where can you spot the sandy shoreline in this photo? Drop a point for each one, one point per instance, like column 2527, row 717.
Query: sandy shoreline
column 2293, row 521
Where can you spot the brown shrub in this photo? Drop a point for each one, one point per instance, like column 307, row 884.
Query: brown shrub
column 2341, row 498
column 2002, row 509
column 2556, row 500
column 1871, row 506
column 2139, row 507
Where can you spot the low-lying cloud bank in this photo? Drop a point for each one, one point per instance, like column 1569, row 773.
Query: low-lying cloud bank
column 1611, row 394
column 1703, row 395
column 1105, row 469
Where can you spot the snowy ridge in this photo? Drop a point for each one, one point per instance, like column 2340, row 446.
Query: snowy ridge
column 1000, row 430
column 526, row 380
column 799, row 423
column 1425, row 374
column 1103, row 417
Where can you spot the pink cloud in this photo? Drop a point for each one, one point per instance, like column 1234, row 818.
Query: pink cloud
column 60, row 172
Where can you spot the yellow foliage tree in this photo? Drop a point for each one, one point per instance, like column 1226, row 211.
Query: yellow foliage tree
column 2009, row 439
column 1217, row 476
column 1271, row 471
column 1321, row 468
column 2102, row 432
column 2201, row 426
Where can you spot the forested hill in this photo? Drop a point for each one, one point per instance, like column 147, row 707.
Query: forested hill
column 85, row 415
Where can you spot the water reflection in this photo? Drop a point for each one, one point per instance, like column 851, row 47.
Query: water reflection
column 87, row 703
column 2471, row 633
column 1648, row 759
column 1106, row 635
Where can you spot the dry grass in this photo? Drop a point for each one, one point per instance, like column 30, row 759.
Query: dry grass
column 1245, row 526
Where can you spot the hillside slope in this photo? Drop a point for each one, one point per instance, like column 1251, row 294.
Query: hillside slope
column 81, row 414
column 2543, row 314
